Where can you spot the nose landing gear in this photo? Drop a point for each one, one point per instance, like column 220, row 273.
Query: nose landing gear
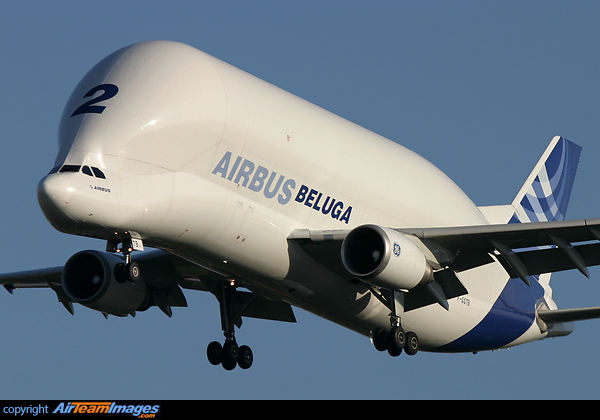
column 131, row 269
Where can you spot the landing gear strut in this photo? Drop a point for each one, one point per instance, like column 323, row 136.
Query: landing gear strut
column 395, row 339
column 229, row 355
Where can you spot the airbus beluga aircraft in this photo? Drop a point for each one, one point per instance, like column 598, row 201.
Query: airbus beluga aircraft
column 270, row 202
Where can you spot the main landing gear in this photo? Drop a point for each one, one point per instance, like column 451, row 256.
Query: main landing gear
column 395, row 339
column 229, row 355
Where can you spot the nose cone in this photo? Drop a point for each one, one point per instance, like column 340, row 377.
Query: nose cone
column 54, row 192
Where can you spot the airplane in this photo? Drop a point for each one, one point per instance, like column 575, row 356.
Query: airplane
column 270, row 202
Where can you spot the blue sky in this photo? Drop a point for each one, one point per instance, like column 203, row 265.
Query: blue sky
column 478, row 88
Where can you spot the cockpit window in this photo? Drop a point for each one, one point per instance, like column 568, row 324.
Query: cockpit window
column 88, row 170
column 70, row 168
column 98, row 173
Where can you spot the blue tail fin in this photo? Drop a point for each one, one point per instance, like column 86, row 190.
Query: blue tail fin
column 545, row 194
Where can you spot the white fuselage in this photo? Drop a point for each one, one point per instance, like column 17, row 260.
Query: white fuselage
column 212, row 164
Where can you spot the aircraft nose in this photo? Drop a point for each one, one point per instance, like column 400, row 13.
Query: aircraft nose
column 53, row 194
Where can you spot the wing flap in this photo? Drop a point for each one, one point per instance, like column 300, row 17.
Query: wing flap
column 553, row 259
column 263, row 308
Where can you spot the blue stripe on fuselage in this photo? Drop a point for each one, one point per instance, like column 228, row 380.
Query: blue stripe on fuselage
column 510, row 317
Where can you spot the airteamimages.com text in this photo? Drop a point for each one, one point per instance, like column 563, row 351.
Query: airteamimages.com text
column 58, row 408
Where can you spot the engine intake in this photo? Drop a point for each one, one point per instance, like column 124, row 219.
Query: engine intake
column 384, row 257
column 97, row 280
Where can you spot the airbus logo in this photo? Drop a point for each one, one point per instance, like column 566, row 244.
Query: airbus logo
column 255, row 178
column 258, row 178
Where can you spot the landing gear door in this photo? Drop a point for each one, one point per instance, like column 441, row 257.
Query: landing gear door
column 136, row 241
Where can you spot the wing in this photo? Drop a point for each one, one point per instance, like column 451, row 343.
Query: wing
column 524, row 249
column 165, row 274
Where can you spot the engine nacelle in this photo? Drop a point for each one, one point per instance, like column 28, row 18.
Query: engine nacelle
column 384, row 257
column 97, row 280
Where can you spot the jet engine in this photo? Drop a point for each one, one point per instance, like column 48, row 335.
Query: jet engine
column 98, row 280
column 384, row 257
